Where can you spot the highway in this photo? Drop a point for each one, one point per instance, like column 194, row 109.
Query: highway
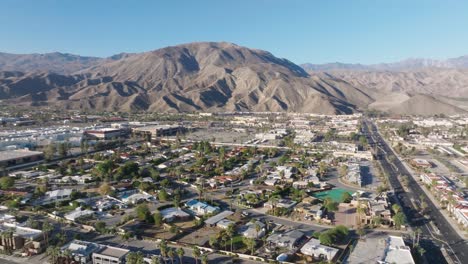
column 435, row 235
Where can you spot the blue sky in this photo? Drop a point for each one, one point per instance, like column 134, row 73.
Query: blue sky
column 303, row 31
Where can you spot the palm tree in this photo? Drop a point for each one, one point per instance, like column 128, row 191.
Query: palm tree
column 155, row 260
column 46, row 228
column 204, row 259
column 231, row 232
column 196, row 254
column 171, row 254
column 257, row 229
column 360, row 232
column 274, row 202
column 250, row 243
column 360, row 210
column 180, row 253
column 67, row 256
column 163, row 248
column 53, row 253
column 7, row 237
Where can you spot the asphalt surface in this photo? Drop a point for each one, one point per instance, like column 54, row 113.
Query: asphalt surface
column 433, row 239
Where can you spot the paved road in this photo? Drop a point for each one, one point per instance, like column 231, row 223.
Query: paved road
column 432, row 242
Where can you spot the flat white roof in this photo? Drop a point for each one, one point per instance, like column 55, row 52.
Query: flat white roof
column 397, row 251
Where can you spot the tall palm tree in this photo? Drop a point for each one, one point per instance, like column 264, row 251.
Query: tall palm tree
column 360, row 210
column 204, row 259
column 171, row 254
column 180, row 253
column 257, row 229
column 6, row 241
column 163, row 248
column 46, row 228
column 231, row 232
column 274, row 202
column 53, row 252
column 196, row 254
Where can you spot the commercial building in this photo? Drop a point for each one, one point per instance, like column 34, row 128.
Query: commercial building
column 17, row 157
column 104, row 133
column 110, row 255
column 21, row 237
column 160, row 130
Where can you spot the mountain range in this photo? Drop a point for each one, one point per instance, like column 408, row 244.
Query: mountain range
column 220, row 76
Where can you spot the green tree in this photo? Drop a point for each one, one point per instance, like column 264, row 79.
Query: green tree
column 158, row 219
column 250, row 243
column 100, row 226
column 49, row 151
column 399, row 219
column 360, row 232
column 330, row 205
column 62, row 149
column 104, row 168
column 396, row 208
column 105, row 189
column 6, row 182
column 143, row 212
column 162, row 195
column 326, row 239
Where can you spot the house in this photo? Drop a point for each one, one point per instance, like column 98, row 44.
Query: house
column 225, row 223
column 270, row 181
column 78, row 213
column 174, row 214
column 136, row 198
column 310, row 210
column 201, row 208
column 254, row 229
column 314, row 249
column 215, row 219
column 55, row 196
column 281, row 203
column 81, row 251
column 287, row 240
column 108, row 255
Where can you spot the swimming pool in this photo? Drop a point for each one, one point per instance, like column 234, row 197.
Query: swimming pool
column 334, row 194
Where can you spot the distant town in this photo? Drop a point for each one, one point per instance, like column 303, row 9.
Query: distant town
column 234, row 187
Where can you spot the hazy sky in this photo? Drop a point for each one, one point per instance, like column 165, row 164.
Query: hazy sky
column 302, row 31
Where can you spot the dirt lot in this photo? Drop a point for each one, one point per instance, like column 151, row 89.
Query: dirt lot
column 346, row 216
column 221, row 135
column 200, row 237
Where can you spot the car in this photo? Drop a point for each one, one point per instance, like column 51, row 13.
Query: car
column 245, row 214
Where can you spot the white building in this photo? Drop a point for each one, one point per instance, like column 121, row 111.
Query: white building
column 314, row 249
column 397, row 251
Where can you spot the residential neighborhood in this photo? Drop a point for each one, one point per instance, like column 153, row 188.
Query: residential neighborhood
column 240, row 188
